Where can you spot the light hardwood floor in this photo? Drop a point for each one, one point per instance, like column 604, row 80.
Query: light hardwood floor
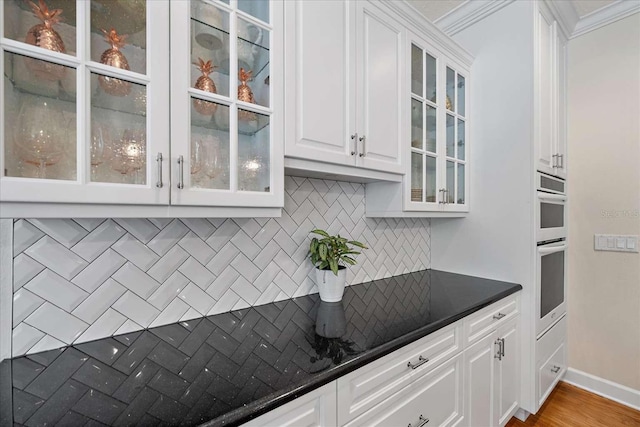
column 570, row 406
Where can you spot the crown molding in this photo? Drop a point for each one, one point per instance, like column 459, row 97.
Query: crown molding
column 566, row 14
column 467, row 14
column 605, row 16
column 412, row 15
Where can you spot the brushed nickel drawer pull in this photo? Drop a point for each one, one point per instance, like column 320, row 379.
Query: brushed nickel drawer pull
column 421, row 361
column 499, row 316
column 422, row 420
column 555, row 369
column 180, row 172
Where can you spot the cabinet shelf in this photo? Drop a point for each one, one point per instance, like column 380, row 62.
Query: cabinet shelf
column 252, row 56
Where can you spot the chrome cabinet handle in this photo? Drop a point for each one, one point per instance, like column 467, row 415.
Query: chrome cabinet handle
column 502, row 347
column 159, row 184
column 561, row 163
column 498, row 354
column 363, row 140
column 354, row 137
column 499, row 316
column 421, row 361
column 554, row 163
column 446, row 196
column 180, row 172
column 422, row 422
column 442, row 190
column 555, row 369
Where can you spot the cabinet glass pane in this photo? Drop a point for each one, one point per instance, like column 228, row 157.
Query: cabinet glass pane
column 451, row 139
column 431, row 129
column 119, row 34
column 416, row 70
column 416, row 124
column 209, row 48
column 451, row 182
column 118, row 129
column 253, row 58
column 451, row 89
column 209, row 147
column 461, row 100
column 26, row 22
column 39, row 121
column 256, row 8
column 430, row 168
column 461, row 140
column 460, row 184
column 416, row 177
column 430, row 64
column 253, row 152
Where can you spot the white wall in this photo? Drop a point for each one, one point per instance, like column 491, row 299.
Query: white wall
column 604, row 197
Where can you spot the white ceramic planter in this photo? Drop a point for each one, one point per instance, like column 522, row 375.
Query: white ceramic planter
column 331, row 287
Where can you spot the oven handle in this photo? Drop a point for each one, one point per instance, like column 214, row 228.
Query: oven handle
column 552, row 197
column 545, row 250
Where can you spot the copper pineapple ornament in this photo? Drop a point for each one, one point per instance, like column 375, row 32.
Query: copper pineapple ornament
column 205, row 83
column 246, row 95
column 43, row 35
column 114, row 58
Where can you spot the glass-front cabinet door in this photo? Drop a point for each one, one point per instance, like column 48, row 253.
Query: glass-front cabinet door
column 437, row 169
column 84, row 105
column 227, row 90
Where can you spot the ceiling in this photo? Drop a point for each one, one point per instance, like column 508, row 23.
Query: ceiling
column 434, row 9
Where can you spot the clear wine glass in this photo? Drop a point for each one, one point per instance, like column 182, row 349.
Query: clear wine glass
column 213, row 166
column 100, row 140
column 39, row 139
column 197, row 156
column 129, row 154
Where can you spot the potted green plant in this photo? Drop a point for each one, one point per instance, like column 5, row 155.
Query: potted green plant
column 329, row 254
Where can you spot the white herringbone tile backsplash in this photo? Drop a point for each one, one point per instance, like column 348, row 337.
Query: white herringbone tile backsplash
column 78, row 280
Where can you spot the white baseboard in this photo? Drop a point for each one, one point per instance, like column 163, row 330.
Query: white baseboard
column 521, row 414
column 605, row 388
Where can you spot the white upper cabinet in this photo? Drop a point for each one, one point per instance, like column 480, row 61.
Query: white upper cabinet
column 550, row 94
column 435, row 137
column 85, row 103
column 227, row 103
column 116, row 111
column 343, row 85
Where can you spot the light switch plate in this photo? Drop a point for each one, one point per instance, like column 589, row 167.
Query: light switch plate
column 616, row 243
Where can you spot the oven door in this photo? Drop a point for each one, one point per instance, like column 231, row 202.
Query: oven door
column 551, row 216
column 551, row 267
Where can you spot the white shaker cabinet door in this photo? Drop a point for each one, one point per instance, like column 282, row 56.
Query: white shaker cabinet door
column 379, row 82
column 479, row 382
column 508, row 373
column 545, row 92
column 319, row 75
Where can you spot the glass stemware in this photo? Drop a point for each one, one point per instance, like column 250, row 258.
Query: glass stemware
column 129, row 154
column 213, row 162
column 39, row 140
column 100, row 140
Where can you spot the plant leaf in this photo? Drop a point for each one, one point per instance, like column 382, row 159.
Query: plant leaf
column 321, row 232
column 358, row 244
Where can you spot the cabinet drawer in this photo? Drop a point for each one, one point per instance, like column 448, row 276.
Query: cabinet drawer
column 361, row 390
column 316, row 408
column 436, row 396
column 551, row 359
column 489, row 318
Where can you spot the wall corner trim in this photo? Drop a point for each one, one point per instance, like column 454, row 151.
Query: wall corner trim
column 605, row 388
column 6, row 287
column 467, row 14
column 605, row 16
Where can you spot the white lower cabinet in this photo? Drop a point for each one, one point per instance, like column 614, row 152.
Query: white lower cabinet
column 316, row 408
column 466, row 374
column 492, row 380
column 434, row 399
column 551, row 359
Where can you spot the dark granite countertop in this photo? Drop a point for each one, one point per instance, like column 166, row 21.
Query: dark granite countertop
column 228, row 368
